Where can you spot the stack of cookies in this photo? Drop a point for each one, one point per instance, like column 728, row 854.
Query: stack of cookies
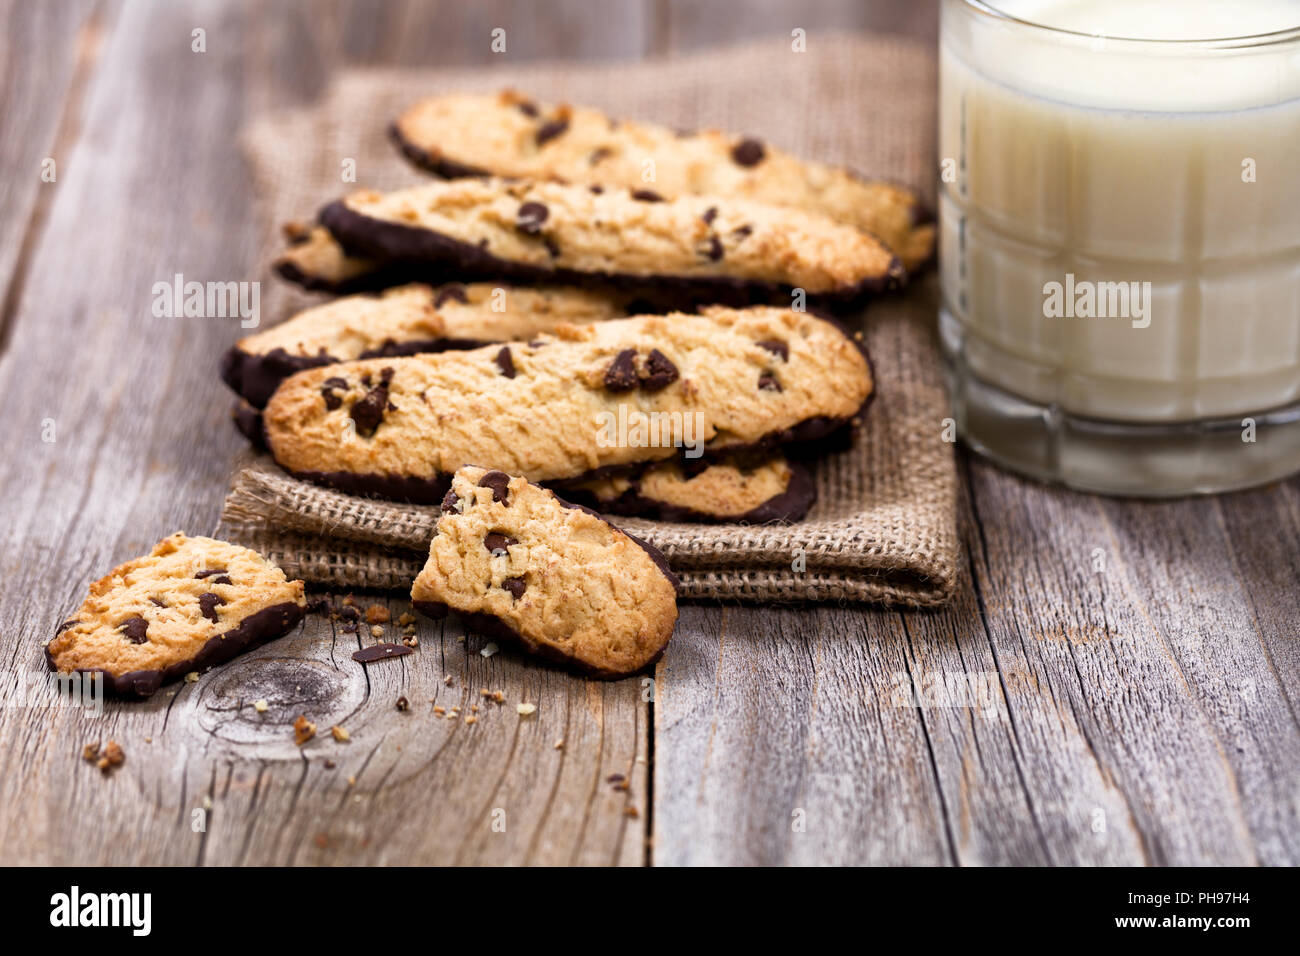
column 632, row 316
column 581, row 315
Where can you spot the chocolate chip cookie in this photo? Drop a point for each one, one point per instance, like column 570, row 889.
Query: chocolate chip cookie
column 559, row 232
column 748, row 489
column 577, row 403
column 406, row 320
column 189, row 604
column 469, row 134
column 516, row 562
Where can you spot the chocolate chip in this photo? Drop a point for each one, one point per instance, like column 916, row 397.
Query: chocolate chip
column 516, row 587
column 598, row 154
column 596, row 188
column 506, row 362
column 157, row 602
column 208, row 572
column 530, row 217
column 329, row 387
column 135, row 629
column 660, row 372
column 64, row 626
column 710, row 214
column 448, row 292
column 714, row 248
column 552, row 246
column 349, row 613
column 380, row 652
column 776, row 347
column 495, row 541
column 499, row 482
column 527, row 108
column 768, row 383
column 748, row 152
column 368, row 412
column 551, row 129
column 621, row 374
column 646, row 195
column 740, row 232
column 208, row 604
column 449, row 501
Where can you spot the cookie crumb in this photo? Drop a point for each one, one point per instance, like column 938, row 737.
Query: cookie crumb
column 498, row 697
column 330, row 764
column 303, row 730
column 403, row 704
column 489, row 649
column 349, row 601
column 447, row 680
column 376, row 631
column 377, row 614
column 470, row 719
column 90, row 752
column 191, row 677
column 559, row 744
column 439, row 710
column 411, row 641
column 207, row 802
column 340, row 734
column 631, row 811
column 113, row 756
column 260, row 706
column 406, row 620
column 352, row 781
column 525, row 710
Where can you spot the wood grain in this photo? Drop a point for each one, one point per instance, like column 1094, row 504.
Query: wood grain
column 1116, row 682
column 154, row 186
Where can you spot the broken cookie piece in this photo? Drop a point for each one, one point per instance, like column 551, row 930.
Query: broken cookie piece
column 189, row 604
column 516, row 562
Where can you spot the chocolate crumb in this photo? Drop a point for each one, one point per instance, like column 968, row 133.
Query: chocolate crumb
column 646, row 195
column 403, row 704
column 660, row 372
column 515, row 586
column 208, row 604
column 135, row 629
column 551, row 129
column 499, row 482
column 621, row 375
column 506, row 362
column 748, row 152
column 379, row 652
column 530, row 217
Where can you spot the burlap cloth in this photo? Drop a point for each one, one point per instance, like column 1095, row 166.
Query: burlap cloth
column 884, row 527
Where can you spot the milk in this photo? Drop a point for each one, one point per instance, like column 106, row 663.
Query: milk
column 1085, row 163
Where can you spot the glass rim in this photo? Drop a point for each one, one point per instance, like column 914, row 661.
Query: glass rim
column 1286, row 35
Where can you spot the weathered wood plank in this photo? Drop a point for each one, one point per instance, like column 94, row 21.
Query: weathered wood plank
column 48, row 52
column 141, row 446
column 687, row 25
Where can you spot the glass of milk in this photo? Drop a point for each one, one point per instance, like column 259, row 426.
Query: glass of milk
column 1120, row 239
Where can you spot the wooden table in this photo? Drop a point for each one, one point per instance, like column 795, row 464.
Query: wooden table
column 1138, row 662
